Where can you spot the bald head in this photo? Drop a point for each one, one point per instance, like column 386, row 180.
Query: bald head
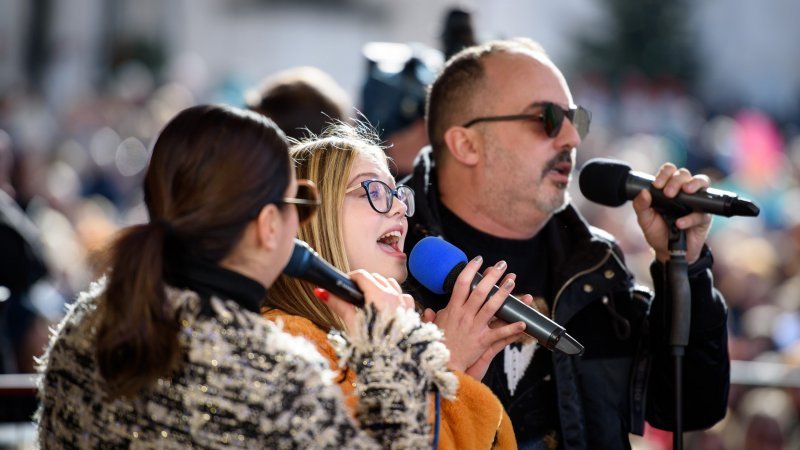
column 493, row 151
column 460, row 92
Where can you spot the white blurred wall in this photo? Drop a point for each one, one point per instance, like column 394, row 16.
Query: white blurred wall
column 749, row 49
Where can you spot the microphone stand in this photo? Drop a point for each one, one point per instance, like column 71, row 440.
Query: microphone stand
column 678, row 277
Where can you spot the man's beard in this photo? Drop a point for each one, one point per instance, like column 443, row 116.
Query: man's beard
column 555, row 205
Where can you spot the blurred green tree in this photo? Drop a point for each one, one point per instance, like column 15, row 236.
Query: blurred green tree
column 651, row 38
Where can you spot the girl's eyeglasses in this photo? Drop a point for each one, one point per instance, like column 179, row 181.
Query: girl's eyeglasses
column 381, row 195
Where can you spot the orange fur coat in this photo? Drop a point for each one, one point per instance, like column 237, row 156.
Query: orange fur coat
column 474, row 420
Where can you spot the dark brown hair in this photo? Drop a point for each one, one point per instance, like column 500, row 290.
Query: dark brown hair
column 451, row 97
column 212, row 170
column 300, row 100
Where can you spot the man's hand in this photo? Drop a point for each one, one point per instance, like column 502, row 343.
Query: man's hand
column 656, row 231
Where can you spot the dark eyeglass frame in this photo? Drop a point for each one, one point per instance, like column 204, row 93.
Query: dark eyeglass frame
column 306, row 207
column 552, row 116
column 410, row 206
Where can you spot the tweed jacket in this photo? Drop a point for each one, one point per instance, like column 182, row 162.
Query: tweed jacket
column 245, row 383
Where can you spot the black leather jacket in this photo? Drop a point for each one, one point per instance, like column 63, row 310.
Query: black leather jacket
column 626, row 373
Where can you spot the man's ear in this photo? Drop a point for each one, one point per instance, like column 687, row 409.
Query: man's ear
column 464, row 144
column 268, row 227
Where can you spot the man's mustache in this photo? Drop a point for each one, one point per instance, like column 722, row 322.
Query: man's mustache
column 562, row 157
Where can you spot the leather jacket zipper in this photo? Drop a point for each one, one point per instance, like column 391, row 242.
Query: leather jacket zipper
column 572, row 278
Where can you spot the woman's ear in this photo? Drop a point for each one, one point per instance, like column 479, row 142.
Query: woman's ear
column 463, row 144
column 268, row 227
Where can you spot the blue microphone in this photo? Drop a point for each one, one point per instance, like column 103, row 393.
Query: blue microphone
column 436, row 264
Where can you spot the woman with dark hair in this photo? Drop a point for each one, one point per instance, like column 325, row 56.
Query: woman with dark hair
column 169, row 350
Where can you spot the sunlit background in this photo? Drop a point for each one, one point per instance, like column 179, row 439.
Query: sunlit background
column 85, row 85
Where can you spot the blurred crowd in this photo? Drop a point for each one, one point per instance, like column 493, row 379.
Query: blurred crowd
column 69, row 178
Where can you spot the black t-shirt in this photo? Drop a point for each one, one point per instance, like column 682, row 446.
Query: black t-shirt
column 528, row 260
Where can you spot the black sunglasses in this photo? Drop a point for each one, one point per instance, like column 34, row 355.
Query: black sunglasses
column 307, row 200
column 552, row 116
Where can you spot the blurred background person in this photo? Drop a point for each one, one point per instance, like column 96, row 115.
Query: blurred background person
column 398, row 76
column 300, row 100
column 393, row 97
column 28, row 301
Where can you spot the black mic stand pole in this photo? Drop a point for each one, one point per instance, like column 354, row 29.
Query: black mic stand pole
column 678, row 277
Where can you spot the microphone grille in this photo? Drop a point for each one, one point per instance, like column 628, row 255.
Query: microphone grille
column 298, row 262
column 432, row 260
column 603, row 181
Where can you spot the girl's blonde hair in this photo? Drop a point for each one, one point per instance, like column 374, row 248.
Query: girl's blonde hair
column 326, row 160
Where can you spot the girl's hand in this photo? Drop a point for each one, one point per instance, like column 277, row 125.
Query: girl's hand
column 383, row 293
column 467, row 320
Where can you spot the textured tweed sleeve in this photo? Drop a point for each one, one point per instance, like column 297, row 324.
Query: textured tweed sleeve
column 244, row 384
column 398, row 361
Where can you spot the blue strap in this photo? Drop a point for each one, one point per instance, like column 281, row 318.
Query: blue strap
column 436, row 424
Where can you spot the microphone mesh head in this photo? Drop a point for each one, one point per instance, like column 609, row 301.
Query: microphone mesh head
column 431, row 260
column 603, row 181
column 298, row 262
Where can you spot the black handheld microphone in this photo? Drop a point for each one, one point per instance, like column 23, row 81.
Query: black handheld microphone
column 612, row 183
column 436, row 263
column 307, row 265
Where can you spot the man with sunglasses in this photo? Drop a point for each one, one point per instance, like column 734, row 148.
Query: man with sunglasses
column 504, row 131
